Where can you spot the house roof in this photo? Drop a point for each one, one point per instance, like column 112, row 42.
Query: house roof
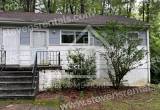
column 65, row 19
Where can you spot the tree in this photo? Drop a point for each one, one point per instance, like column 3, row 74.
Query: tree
column 71, row 7
column 82, row 66
column 103, row 6
column 152, row 15
column 155, row 49
column 28, row 5
column 82, row 6
column 121, row 53
column 3, row 5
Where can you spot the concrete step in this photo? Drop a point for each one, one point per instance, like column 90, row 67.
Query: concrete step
column 16, row 91
column 17, row 83
column 17, row 68
column 17, row 96
column 15, row 78
column 16, row 73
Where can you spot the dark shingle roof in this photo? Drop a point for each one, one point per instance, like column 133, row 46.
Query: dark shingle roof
column 65, row 19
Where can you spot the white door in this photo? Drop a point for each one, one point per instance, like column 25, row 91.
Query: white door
column 11, row 39
column 39, row 42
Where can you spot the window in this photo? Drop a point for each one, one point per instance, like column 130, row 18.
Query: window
column 39, row 39
column 25, row 38
column 75, row 37
column 82, row 38
column 133, row 36
column 68, row 37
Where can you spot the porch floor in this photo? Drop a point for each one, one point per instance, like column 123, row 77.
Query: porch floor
column 29, row 67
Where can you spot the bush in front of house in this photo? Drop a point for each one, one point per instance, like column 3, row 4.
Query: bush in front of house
column 82, row 68
column 121, row 51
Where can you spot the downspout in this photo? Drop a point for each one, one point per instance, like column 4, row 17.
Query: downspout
column 148, row 58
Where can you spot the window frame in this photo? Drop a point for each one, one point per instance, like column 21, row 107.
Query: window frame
column 25, row 37
column 39, row 30
column 133, row 33
column 74, row 43
column 70, row 32
column 138, row 33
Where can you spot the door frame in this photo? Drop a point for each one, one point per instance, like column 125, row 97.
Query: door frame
column 18, row 47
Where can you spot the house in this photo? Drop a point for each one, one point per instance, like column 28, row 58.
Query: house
column 29, row 41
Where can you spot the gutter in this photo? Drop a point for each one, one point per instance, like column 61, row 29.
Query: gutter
column 59, row 24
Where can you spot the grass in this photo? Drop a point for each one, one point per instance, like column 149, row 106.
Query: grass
column 145, row 101
column 150, row 102
column 38, row 102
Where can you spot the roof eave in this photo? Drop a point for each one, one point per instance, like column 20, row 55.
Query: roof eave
column 51, row 25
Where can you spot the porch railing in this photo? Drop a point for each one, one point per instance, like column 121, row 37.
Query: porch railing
column 48, row 58
column 2, row 57
column 35, row 76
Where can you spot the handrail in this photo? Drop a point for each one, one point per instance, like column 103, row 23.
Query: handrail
column 2, row 59
column 34, row 71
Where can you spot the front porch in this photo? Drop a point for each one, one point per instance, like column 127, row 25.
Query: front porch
column 19, row 81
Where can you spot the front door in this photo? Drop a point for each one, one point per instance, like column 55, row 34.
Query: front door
column 11, row 45
column 39, row 43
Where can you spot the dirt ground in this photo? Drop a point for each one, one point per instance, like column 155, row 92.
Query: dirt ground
column 50, row 100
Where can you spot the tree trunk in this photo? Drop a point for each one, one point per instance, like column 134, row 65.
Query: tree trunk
column 148, row 11
column 130, row 9
column 33, row 5
column 120, row 10
column 82, row 7
column 110, row 7
column 3, row 5
column 28, row 5
column 103, row 7
column 66, row 7
column 49, row 6
column 143, row 11
column 71, row 7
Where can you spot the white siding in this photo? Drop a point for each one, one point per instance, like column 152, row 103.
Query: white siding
column 25, row 55
column 137, row 77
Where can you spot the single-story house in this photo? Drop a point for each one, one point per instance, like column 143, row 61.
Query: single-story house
column 36, row 40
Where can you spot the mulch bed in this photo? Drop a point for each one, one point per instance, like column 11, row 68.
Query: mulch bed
column 72, row 94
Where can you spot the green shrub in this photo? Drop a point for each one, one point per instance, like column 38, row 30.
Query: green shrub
column 79, row 65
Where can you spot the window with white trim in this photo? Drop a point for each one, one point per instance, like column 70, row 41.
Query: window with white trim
column 25, row 38
column 75, row 37
column 82, row 38
column 68, row 37
column 133, row 36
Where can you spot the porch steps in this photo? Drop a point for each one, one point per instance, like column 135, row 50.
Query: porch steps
column 17, row 83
